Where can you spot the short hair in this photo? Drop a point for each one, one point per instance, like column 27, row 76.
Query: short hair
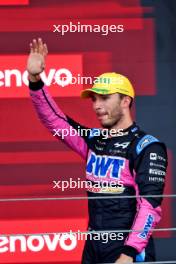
column 123, row 95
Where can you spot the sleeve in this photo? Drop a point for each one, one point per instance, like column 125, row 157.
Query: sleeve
column 60, row 125
column 150, row 170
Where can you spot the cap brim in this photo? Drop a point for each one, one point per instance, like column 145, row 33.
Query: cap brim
column 88, row 92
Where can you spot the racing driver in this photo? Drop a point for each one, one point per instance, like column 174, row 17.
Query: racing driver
column 137, row 159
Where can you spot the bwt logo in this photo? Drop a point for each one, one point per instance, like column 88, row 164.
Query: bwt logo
column 147, row 227
column 37, row 243
column 61, row 77
column 101, row 165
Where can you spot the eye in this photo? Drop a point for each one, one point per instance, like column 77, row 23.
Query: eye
column 105, row 97
column 93, row 98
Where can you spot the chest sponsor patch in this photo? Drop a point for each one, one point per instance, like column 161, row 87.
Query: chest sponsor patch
column 103, row 166
column 106, row 189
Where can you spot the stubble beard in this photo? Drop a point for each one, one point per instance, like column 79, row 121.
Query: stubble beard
column 114, row 122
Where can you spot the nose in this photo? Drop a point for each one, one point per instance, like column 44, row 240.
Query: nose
column 97, row 104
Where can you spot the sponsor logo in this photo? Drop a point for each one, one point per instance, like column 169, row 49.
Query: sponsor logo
column 101, row 166
column 101, row 142
column 147, row 227
column 99, row 148
column 116, row 151
column 21, row 78
column 122, row 145
column 134, row 129
column 157, row 165
column 106, row 189
column 121, row 133
column 156, row 179
column 63, row 71
column 37, row 243
column 157, row 172
column 94, row 189
column 161, row 158
column 155, row 156
column 146, row 141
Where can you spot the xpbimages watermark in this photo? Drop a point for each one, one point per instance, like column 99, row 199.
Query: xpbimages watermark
column 84, row 28
column 96, row 187
column 104, row 237
column 64, row 77
column 87, row 132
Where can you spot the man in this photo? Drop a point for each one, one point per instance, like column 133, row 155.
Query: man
column 130, row 156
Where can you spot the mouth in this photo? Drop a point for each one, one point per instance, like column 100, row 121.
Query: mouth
column 102, row 116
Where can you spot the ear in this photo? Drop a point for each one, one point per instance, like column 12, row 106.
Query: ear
column 126, row 101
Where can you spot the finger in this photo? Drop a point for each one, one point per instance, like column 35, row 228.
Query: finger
column 43, row 66
column 40, row 45
column 31, row 48
column 45, row 49
column 35, row 45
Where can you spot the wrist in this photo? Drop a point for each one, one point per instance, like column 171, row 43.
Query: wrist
column 124, row 259
column 34, row 78
column 36, row 85
column 130, row 251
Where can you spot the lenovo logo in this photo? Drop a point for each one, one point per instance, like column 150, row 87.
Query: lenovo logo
column 61, row 75
column 37, row 243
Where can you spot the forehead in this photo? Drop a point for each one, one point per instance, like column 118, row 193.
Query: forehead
column 101, row 96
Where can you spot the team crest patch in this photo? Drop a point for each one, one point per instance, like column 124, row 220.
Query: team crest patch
column 144, row 142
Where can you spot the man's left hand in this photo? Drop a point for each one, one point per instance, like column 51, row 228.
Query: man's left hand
column 124, row 259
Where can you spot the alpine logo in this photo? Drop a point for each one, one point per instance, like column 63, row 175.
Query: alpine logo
column 146, row 141
column 122, row 145
column 100, row 166
column 147, row 227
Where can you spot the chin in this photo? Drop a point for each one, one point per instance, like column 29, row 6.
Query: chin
column 106, row 124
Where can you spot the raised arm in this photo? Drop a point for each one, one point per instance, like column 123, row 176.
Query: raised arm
column 48, row 111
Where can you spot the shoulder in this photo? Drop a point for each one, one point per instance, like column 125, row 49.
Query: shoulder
column 148, row 143
column 149, row 150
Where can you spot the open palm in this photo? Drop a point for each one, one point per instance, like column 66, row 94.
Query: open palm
column 36, row 59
